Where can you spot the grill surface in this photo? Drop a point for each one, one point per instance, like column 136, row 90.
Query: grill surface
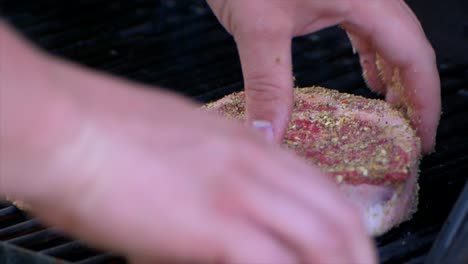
column 179, row 45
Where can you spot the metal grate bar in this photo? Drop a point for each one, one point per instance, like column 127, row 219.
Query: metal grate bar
column 71, row 251
column 40, row 240
column 7, row 211
column 106, row 258
column 20, row 229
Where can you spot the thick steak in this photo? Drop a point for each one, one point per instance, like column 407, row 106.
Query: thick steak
column 368, row 147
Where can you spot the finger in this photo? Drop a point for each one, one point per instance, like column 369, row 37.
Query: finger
column 410, row 13
column 367, row 59
column 266, row 65
column 304, row 231
column 402, row 44
column 246, row 243
column 319, row 193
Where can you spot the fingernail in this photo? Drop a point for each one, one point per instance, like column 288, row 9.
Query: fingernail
column 265, row 128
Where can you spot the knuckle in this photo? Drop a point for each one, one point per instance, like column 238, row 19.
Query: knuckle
column 260, row 87
column 265, row 28
column 343, row 8
column 239, row 150
column 427, row 55
column 252, row 152
column 432, row 54
column 234, row 155
column 225, row 153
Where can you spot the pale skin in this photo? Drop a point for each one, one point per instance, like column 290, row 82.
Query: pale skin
column 263, row 34
column 146, row 174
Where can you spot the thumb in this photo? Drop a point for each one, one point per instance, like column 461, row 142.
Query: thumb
column 267, row 70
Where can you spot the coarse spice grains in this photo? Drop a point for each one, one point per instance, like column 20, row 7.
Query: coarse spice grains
column 349, row 137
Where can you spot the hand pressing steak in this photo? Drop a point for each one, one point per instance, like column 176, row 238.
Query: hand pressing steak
column 368, row 148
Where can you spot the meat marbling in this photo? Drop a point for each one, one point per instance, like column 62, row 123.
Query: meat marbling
column 368, row 147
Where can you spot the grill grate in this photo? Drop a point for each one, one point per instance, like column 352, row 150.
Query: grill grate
column 180, row 45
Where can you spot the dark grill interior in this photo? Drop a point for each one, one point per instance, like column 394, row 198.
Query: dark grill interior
column 180, row 45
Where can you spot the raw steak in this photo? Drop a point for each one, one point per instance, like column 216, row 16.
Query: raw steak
column 368, row 147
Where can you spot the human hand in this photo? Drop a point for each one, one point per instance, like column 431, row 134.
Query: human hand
column 163, row 180
column 148, row 175
column 263, row 31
